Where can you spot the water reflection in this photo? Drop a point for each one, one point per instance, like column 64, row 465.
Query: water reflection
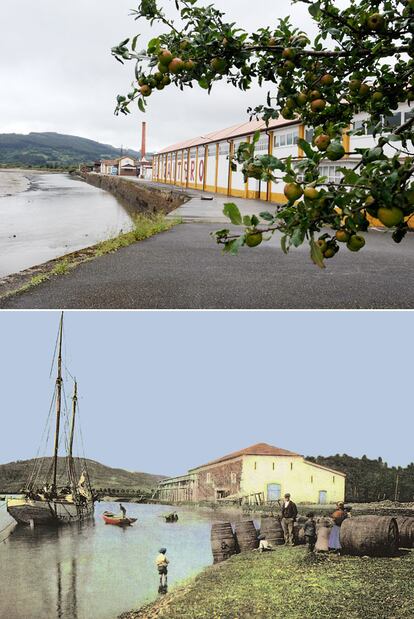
column 56, row 216
column 91, row 570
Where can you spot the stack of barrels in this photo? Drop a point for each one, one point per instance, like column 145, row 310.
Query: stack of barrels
column 272, row 529
column 223, row 541
column 246, row 536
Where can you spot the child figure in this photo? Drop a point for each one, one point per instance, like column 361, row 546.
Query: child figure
column 310, row 531
column 162, row 565
column 264, row 544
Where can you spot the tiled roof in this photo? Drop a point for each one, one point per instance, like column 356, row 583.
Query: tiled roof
column 260, row 449
column 241, row 129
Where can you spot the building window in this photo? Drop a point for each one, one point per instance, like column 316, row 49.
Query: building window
column 333, row 479
column 208, row 478
column 224, row 148
column 291, row 466
column 393, row 121
column 255, row 465
column 286, row 138
column 212, row 150
column 262, row 144
column 331, row 172
column 273, row 466
column 311, row 479
column 233, row 478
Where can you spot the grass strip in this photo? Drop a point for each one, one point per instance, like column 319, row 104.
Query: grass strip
column 289, row 582
column 144, row 226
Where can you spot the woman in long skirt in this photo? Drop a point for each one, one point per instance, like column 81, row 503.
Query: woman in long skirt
column 338, row 517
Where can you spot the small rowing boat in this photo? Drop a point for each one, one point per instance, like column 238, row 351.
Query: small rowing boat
column 118, row 519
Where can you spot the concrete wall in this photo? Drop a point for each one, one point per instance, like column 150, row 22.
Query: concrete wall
column 144, row 198
column 223, row 477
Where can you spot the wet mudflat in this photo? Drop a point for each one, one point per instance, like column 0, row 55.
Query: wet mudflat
column 97, row 571
column 44, row 216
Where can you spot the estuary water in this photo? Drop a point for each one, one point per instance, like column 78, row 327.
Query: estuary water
column 45, row 216
column 95, row 571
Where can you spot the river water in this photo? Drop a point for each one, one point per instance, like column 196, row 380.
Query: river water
column 97, row 571
column 55, row 216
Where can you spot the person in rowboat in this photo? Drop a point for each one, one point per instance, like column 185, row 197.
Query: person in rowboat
column 123, row 510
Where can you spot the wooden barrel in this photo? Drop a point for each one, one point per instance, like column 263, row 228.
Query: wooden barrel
column 246, row 535
column 298, row 533
column 322, row 538
column 272, row 528
column 405, row 531
column 223, row 542
column 374, row 536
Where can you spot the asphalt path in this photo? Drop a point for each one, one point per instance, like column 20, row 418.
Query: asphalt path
column 184, row 268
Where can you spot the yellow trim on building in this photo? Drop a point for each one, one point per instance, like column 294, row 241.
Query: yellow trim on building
column 346, row 141
column 217, row 167
column 301, row 136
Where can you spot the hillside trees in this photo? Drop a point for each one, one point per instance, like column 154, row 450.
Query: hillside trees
column 360, row 61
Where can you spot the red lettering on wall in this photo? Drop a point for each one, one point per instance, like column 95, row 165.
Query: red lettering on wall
column 192, row 166
column 201, row 170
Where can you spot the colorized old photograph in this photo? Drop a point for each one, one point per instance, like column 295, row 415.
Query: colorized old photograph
column 146, row 474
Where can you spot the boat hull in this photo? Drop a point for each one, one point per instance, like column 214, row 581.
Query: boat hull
column 118, row 520
column 47, row 512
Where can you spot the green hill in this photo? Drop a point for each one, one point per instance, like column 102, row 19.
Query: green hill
column 14, row 475
column 53, row 150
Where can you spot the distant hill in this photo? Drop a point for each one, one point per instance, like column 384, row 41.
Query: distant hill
column 54, row 150
column 14, row 475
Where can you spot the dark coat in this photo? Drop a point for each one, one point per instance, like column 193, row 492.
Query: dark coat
column 291, row 511
column 310, row 528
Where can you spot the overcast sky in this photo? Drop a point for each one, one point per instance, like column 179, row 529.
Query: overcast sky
column 57, row 73
column 164, row 391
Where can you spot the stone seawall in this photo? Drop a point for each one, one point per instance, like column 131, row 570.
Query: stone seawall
column 140, row 195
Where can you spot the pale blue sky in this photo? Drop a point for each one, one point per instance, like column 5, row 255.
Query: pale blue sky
column 165, row 391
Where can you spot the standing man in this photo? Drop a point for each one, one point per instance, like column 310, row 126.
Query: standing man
column 289, row 513
column 123, row 510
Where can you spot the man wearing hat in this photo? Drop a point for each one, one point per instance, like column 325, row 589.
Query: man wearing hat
column 289, row 513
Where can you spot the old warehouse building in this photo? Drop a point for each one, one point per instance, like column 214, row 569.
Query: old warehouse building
column 260, row 473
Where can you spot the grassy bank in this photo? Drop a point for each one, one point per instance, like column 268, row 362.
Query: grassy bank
column 144, row 226
column 290, row 583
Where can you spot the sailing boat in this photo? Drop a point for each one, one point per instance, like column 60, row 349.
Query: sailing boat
column 64, row 503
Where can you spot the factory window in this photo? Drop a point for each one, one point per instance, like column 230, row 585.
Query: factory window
column 233, row 477
column 208, row 478
column 291, row 466
column 333, row 479
column 408, row 115
column 263, row 143
column 311, row 479
column 287, row 138
column 224, row 148
column 393, row 121
column 273, row 466
column 192, row 153
column 331, row 172
column 255, row 465
column 212, row 150
column 309, row 135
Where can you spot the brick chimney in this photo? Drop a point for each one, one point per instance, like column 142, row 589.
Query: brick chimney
column 144, row 140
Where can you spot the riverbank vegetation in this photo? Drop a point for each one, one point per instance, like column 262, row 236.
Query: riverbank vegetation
column 144, row 226
column 291, row 583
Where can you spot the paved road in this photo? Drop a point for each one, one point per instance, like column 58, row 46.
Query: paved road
column 184, row 268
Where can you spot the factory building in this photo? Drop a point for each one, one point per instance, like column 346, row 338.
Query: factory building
column 204, row 162
column 261, row 474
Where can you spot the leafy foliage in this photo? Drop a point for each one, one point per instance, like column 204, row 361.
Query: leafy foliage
column 371, row 480
column 360, row 61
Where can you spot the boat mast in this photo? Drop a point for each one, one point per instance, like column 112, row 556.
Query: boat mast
column 71, row 470
column 72, row 427
column 58, row 402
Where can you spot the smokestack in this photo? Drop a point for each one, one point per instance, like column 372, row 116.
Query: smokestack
column 143, row 140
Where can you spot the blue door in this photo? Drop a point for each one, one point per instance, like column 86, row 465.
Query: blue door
column 273, row 492
column 323, row 497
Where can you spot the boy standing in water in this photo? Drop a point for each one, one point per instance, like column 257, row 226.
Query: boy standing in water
column 162, row 565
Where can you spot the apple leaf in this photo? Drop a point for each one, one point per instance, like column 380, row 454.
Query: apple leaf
column 316, row 254
column 231, row 211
